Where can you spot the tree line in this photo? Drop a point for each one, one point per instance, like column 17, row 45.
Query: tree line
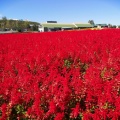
column 18, row 25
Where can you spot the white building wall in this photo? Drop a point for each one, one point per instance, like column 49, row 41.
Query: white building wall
column 99, row 26
column 40, row 29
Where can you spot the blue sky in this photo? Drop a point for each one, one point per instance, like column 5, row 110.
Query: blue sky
column 63, row 11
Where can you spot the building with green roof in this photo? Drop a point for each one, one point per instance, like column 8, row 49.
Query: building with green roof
column 83, row 25
column 58, row 25
column 62, row 26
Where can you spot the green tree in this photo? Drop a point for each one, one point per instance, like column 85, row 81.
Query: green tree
column 4, row 20
column 7, row 24
column 91, row 22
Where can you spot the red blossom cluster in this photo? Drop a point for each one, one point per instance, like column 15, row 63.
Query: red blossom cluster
column 70, row 75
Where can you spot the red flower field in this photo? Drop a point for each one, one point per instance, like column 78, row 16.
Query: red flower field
column 70, row 75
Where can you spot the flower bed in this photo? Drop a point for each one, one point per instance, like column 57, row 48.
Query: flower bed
column 72, row 75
